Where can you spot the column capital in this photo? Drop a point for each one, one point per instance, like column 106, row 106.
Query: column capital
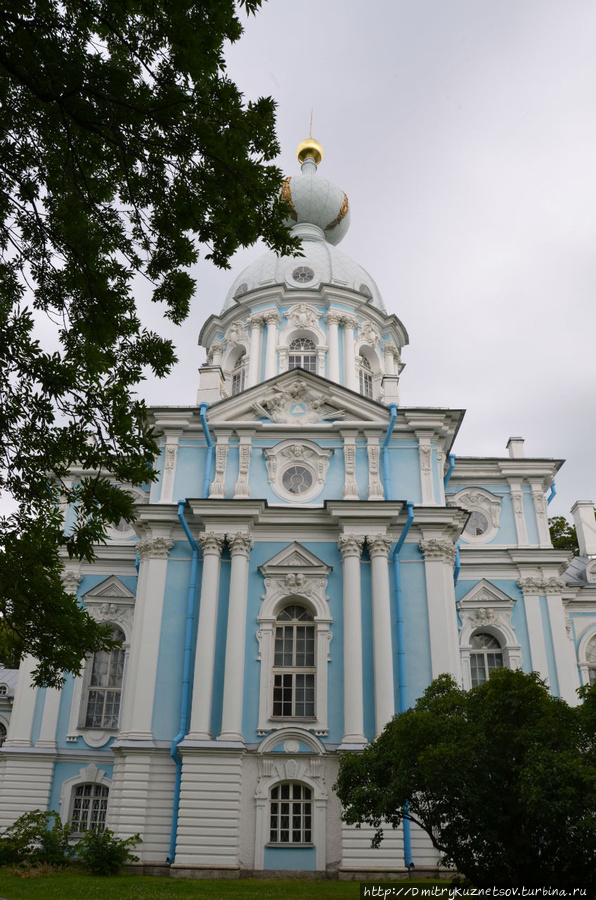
column 333, row 317
column 212, row 542
column 271, row 317
column 350, row 544
column 437, row 550
column 378, row 544
column 71, row 581
column 541, row 586
column 155, row 548
column 256, row 320
column 349, row 321
column 240, row 544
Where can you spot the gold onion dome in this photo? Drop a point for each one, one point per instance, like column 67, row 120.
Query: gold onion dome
column 310, row 148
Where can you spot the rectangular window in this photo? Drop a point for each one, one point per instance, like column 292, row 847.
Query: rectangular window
column 291, row 814
column 294, row 694
column 90, row 807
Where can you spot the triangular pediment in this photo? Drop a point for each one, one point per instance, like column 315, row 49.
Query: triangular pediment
column 110, row 589
column 294, row 557
column 298, row 397
column 485, row 594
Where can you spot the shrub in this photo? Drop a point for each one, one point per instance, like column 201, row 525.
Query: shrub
column 36, row 837
column 105, row 854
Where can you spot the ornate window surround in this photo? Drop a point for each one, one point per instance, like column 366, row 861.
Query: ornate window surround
column 297, row 453
column 237, row 346
column 303, row 322
column 487, row 609
column 366, row 345
column 294, row 575
column 583, row 662
column 307, row 769
column 87, row 775
column 110, row 603
column 476, row 499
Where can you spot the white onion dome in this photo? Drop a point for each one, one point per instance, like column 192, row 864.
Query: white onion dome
column 320, row 216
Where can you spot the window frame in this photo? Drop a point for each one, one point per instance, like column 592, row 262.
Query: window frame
column 477, row 653
column 293, row 670
column 117, row 690
column 303, row 353
column 305, row 813
column 97, row 792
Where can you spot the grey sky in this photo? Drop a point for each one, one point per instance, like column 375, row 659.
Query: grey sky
column 464, row 133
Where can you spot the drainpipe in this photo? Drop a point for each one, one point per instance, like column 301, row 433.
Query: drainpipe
column 191, row 606
column 449, row 470
column 457, row 566
column 385, row 449
column 401, row 657
column 208, row 461
column 553, row 493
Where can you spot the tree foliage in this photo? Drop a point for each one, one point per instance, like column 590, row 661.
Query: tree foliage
column 502, row 778
column 123, row 146
column 563, row 535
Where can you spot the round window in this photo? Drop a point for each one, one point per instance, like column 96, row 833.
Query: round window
column 297, row 479
column 477, row 524
column 303, row 274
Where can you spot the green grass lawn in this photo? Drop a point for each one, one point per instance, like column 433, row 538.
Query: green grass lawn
column 73, row 886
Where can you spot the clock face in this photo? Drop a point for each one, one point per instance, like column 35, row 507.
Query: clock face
column 477, row 524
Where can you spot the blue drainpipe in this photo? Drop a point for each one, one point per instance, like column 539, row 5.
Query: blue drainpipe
column 401, row 658
column 208, row 460
column 449, row 470
column 553, row 493
column 191, row 606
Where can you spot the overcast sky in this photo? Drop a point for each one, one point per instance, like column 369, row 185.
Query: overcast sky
column 464, row 134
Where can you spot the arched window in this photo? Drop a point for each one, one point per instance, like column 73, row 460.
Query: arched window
column 105, row 687
column 365, row 376
column 486, row 654
column 290, row 814
column 239, row 374
column 294, row 664
column 2, row 733
column 89, row 808
column 303, row 355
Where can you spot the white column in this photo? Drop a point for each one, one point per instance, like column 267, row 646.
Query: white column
column 378, row 546
column 21, row 719
column 567, row 673
column 389, row 358
column 349, row 323
column 425, row 454
column 350, row 546
column 535, row 632
column 169, row 468
column 49, row 719
column 439, row 558
column 231, row 722
column 216, row 351
column 254, row 360
column 202, row 695
column 272, row 319
column 517, row 499
column 332, row 319
column 540, row 506
column 585, row 524
column 139, row 698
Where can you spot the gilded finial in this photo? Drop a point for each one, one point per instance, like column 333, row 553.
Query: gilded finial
column 310, row 147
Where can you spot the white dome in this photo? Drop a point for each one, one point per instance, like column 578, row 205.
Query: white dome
column 321, row 264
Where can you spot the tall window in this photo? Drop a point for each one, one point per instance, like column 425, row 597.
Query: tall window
column 105, row 687
column 485, row 656
column 294, row 664
column 365, row 377
column 89, row 808
column 303, row 355
column 239, row 375
column 291, row 814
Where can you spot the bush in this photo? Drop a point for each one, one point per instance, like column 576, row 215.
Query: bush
column 105, row 854
column 36, row 837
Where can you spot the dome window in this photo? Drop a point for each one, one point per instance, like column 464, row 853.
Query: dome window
column 240, row 290
column 303, row 355
column 239, row 375
column 365, row 377
column 303, row 274
column 365, row 291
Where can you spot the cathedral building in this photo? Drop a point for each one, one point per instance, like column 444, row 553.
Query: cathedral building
column 312, row 555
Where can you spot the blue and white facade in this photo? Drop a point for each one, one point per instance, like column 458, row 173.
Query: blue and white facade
column 311, row 557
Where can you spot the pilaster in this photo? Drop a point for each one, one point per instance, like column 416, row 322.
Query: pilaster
column 231, row 724
column 218, row 485
column 272, row 319
column 350, row 490
column 426, row 473
column 351, row 548
column 333, row 319
column 202, row 697
column 375, row 488
column 349, row 323
column 139, row 701
column 169, row 469
column 541, row 509
column 517, row 501
column 439, row 559
column 254, row 360
column 241, row 488
column 378, row 547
